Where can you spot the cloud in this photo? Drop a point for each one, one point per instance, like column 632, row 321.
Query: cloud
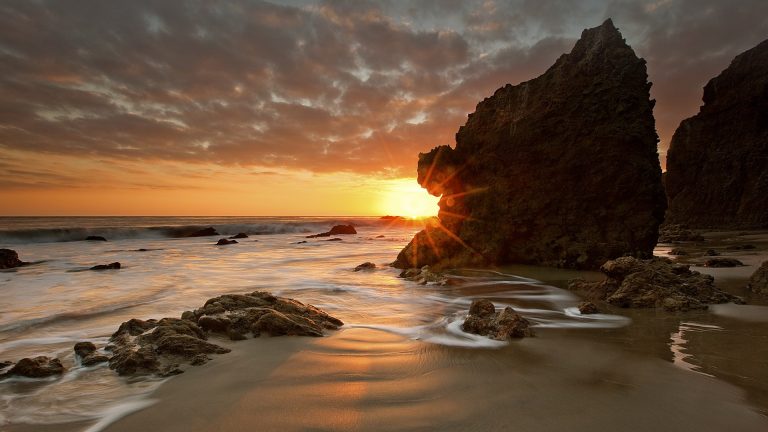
column 321, row 86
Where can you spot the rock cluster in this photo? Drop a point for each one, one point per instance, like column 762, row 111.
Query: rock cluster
column 653, row 283
column 485, row 321
column 336, row 230
column 162, row 346
column 758, row 283
column 717, row 164
column 561, row 170
column 9, row 259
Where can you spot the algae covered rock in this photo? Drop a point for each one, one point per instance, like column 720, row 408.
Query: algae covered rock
column 561, row 170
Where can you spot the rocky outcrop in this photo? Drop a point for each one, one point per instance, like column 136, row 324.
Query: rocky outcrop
column 758, row 283
column 485, row 321
column 112, row 266
column 224, row 242
column 10, row 259
column 717, row 164
column 163, row 347
column 561, row 170
column 653, row 283
column 37, row 367
column 336, row 230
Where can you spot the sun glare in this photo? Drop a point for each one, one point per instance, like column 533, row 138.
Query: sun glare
column 406, row 198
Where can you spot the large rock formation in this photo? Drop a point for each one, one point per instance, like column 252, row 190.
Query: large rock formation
column 717, row 165
column 561, row 170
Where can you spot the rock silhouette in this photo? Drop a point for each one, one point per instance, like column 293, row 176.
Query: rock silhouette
column 9, row 258
column 561, row 170
column 717, row 164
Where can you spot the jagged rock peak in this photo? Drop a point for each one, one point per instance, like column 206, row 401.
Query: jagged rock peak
column 560, row 170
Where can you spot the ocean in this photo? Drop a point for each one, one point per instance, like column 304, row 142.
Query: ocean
column 48, row 306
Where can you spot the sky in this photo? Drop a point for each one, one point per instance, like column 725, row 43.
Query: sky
column 297, row 107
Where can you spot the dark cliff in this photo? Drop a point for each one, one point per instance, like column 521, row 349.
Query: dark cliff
column 717, row 164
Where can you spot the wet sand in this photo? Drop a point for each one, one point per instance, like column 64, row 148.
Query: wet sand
column 362, row 379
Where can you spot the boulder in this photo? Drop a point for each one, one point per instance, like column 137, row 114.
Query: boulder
column 37, row 367
column 653, row 283
column 224, row 242
column 723, row 262
column 95, row 238
column 485, row 321
column 10, row 259
column 717, row 163
column 365, row 266
column 336, row 230
column 561, row 170
column 112, row 266
column 758, row 283
column 239, row 236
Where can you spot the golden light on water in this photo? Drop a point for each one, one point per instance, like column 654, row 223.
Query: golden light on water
column 406, row 198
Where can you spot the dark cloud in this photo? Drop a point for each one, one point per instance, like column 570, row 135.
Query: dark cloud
column 325, row 86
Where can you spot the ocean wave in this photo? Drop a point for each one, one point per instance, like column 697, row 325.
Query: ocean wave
column 67, row 234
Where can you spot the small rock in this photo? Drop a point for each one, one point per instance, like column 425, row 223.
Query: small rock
column 711, row 252
column 365, row 266
column 84, row 349
column 301, row 242
column 723, row 262
column 485, row 321
column 37, row 367
column 336, row 230
column 335, row 239
column 380, row 236
column 224, row 242
column 113, row 266
column 239, row 236
column 423, row 275
column 588, row 308
column 758, row 283
column 10, row 259
column 678, row 251
column 95, row 238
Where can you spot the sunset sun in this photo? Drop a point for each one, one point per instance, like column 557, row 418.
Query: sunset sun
column 406, row 198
